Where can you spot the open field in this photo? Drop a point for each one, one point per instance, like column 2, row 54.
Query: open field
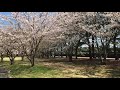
column 61, row 68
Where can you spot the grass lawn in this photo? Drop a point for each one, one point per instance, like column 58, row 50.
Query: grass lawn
column 61, row 68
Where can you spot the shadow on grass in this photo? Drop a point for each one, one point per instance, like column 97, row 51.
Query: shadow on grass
column 18, row 69
column 26, row 69
column 91, row 68
column 86, row 62
column 75, row 62
column 113, row 71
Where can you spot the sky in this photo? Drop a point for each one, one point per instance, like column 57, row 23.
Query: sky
column 5, row 13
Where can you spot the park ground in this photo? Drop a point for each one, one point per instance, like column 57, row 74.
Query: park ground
column 60, row 68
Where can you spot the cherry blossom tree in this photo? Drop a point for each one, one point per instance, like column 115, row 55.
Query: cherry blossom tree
column 69, row 23
column 34, row 26
column 99, row 24
column 29, row 29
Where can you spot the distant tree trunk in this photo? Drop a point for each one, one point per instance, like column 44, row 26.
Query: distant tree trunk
column 54, row 54
column 66, row 55
column 11, row 61
column 76, row 49
column 105, row 54
column 32, row 60
column 57, row 54
column 70, row 53
column 31, row 57
column 98, row 51
column 42, row 54
column 90, row 53
column 93, row 53
column 11, row 56
column 47, row 54
column 50, row 53
column 1, row 57
column 114, row 42
column 32, row 64
column 70, row 58
column 108, row 49
column 22, row 58
column 61, row 52
column 104, row 47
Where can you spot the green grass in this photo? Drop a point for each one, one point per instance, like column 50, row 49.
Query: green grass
column 61, row 69
column 23, row 70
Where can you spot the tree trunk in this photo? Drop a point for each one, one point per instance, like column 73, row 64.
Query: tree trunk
column 1, row 57
column 42, row 55
column 66, row 55
column 105, row 54
column 90, row 53
column 114, row 42
column 93, row 54
column 32, row 61
column 11, row 61
column 54, row 55
column 104, row 47
column 76, row 52
column 104, row 51
column 32, row 64
column 11, row 57
column 22, row 58
column 61, row 52
column 70, row 58
column 47, row 55
column 70, row 53
column 98, row 51
column 50, row 54
column 76, row 49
